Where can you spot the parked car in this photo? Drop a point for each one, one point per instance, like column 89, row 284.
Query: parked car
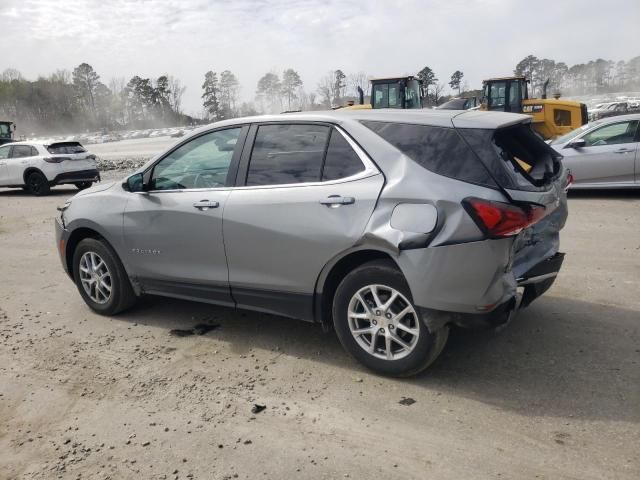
column 390, row 225
column 38, row 167
column 604, row 110
column 604, row 153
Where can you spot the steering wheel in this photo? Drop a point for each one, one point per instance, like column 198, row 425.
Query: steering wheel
column 200, row 178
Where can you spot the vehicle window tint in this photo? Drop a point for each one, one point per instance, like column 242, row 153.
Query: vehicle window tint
column 497, row 95
column 341, row 161
column 4, row 152
column 20, row 151
column 381, row 96
column 623, row 132
column 66, row 148
column 200, row 163
column 285, row 154
column 438, row 149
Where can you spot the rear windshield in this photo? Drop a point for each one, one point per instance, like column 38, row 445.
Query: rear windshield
column 438, row 149
column 65, row 148
column 517, row 154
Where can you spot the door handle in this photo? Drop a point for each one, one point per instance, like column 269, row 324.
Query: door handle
column 624, row 150
column 206, row 204
column 337, row 200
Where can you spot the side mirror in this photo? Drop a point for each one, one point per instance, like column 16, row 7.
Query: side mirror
column 134, row 183
column 579, row 143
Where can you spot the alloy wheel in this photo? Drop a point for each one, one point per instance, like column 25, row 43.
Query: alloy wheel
column 95, row 277
column 383, row 322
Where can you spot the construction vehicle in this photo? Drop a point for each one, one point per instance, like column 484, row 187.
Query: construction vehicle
column 552, row 117
column 391, row 92
column 7, row 129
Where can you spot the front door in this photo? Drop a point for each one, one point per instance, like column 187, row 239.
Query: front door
column 608, row 155
column 173, row 231
column 308, row 192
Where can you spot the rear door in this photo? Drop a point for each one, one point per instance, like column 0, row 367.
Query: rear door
column 305, row 194
column 4, row 165
column 20, row 158
column 609, row 155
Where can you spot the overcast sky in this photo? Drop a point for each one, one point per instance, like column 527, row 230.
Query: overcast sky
column 186, row 38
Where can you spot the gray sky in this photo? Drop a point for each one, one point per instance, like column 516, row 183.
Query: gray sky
column 482, row 38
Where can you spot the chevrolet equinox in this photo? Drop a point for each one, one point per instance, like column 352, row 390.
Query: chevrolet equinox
column 390, row 225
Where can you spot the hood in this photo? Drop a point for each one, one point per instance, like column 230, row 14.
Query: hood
column 95, row 189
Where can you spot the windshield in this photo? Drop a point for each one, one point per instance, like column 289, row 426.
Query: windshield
column 573, row 133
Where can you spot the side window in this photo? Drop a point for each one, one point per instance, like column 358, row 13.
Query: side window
column 561, row 117
column 34, row 152
column 341, row 161
column 4, row 152
column 201, row 163
column 21, row 151
column 285, row 154
column 623, row 132
column 381, row 95
column 438, row 149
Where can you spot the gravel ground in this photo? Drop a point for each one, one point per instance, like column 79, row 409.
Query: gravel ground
column 556, row 395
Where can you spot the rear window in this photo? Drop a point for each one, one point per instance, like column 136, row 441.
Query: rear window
column 438, row 149
column 519, row 158
column 67, row 148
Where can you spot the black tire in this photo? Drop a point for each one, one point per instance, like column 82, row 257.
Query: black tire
column 385, row 273
column 37, row 184
column 121, row 296
column 83, row 185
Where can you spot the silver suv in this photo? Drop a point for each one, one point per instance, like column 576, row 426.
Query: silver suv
column 389, row 225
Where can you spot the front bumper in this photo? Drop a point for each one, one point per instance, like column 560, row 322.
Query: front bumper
column 62, row 235
column 92, row 175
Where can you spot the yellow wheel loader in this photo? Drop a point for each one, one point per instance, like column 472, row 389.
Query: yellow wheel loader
column 552, row 117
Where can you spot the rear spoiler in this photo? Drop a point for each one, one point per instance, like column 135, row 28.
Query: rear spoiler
column 65, row 144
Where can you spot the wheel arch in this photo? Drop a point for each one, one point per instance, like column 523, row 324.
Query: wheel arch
column 28, row 171
column 334, row 272
column 77, row 235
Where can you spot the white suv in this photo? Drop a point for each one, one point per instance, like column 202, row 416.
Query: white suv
column 37, row 167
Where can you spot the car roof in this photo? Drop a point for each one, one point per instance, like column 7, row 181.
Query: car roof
column 438, row 118
column 617, row 118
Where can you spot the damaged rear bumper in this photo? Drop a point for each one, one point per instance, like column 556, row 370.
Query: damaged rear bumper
column 530, row 286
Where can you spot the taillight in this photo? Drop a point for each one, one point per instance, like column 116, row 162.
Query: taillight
column 55, row 159
column 569, row 181
column 498, row 220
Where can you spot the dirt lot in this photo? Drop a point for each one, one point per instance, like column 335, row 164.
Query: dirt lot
column 556, row 395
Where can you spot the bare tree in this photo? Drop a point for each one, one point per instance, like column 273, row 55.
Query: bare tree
column 355, row 80
column 177, row 91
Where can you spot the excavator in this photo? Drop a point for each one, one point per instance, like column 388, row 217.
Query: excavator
column 552, row 117
column 7, row 130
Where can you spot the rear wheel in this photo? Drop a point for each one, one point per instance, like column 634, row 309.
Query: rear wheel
column 83, row 185
column 100, row 278
column 377, row 322
column 37, row 184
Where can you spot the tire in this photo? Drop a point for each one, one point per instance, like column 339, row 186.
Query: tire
column 83, row 185
column 89, row 253
column 37, row 184
column 385, row 278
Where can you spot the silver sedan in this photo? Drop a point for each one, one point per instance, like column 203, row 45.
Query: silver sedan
column 604, row 153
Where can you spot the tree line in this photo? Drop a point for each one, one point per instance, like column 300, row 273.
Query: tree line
column 78, row 100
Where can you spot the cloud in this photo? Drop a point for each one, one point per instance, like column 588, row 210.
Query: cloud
column 482, row 38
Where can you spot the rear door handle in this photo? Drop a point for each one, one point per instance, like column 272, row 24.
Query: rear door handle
column 337, row 200
column 624, row 150
column 206, row 204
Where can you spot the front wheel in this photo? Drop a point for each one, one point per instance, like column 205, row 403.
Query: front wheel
column 100, row 278
column 377, row 322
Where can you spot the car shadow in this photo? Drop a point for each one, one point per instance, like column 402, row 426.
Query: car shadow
column 559, row 357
